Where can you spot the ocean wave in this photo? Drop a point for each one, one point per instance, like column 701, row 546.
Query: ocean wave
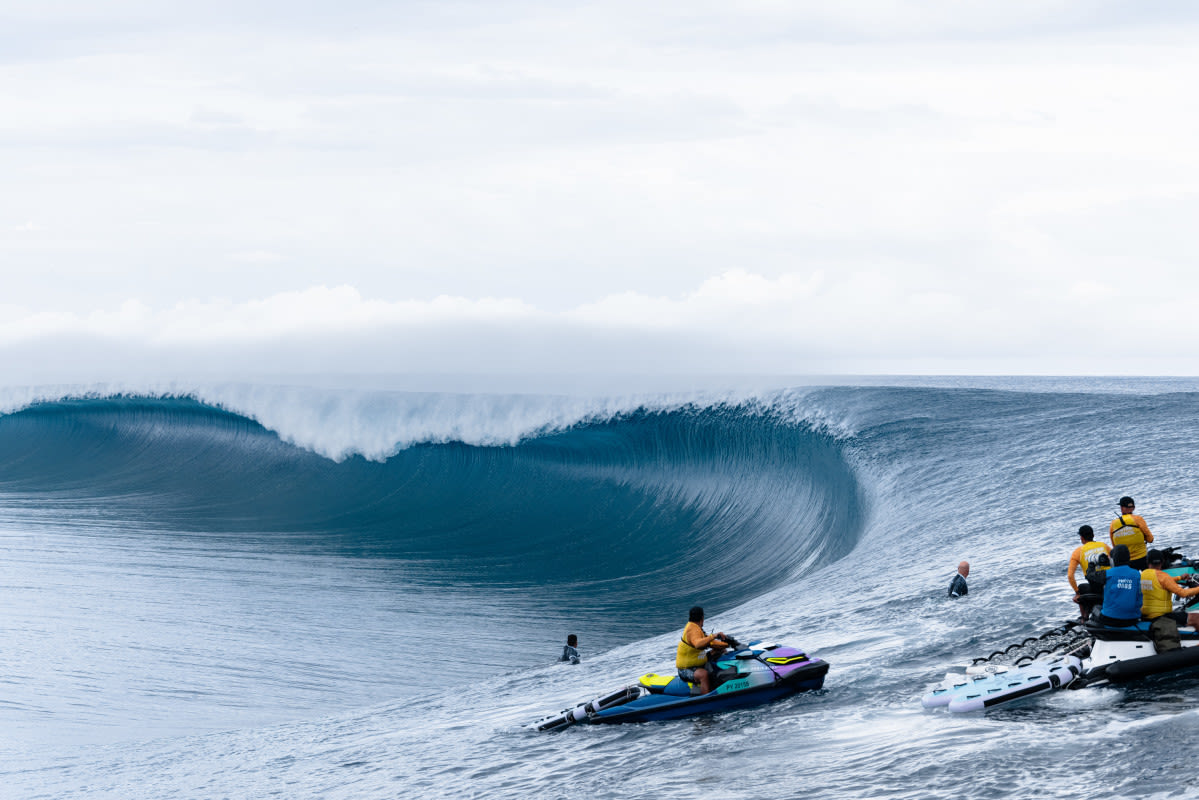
column 622, row 506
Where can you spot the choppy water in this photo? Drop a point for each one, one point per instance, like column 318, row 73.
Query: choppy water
column 256, row 592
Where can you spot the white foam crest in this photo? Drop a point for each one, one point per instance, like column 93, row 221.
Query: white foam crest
column 804, row 405
column 339, row 421
column 377, row 424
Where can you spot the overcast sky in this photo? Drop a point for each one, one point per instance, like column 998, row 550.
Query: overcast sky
column 522, row 185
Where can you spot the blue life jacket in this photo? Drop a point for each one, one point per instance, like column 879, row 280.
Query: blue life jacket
column 1122, row 593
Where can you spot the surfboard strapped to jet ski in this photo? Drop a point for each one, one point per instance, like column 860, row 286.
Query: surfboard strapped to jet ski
column 747, row 675
column 1073, row 656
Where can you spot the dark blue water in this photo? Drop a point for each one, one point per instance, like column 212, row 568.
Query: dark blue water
column 199, row 605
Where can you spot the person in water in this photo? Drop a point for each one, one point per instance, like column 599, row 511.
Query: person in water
column 570, row 652
column 691, row 658
column 1087, row 555
column 1158, row 605
column 1131, row 530
column 1122, row 597
column 957, row 586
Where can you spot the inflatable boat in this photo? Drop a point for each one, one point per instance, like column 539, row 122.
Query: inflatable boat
column 751, row 675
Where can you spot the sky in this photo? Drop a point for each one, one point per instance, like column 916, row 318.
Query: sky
column 240, row 189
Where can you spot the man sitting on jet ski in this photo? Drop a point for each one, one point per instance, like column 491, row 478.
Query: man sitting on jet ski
column 691, row 658
column 1094, row 559
column 1158, row 606
column 1122, row 597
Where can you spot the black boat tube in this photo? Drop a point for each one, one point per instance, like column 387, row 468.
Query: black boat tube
column 1122, row 671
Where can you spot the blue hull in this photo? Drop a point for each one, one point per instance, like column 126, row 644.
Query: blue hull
column 655, row 707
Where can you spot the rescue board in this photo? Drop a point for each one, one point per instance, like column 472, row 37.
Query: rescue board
column 1004, row 685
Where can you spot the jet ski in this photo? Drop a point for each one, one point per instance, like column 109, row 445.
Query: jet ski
column 1074, row 656
column 1119, row 655
column 747, row 675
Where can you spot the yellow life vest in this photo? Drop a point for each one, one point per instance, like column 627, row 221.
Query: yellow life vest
column 688, row 656
column 1155, row 597
column 1090, row 552
column 1130, row 535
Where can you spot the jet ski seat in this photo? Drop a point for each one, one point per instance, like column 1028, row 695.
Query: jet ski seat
column 1137, row 632
column 666, row 684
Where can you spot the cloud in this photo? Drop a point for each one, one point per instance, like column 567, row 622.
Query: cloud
column 532, row 185
column 734, row 323
column 256, row 257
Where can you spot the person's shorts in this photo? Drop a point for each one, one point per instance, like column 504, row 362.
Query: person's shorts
column 1178, row 616
column 688, row 674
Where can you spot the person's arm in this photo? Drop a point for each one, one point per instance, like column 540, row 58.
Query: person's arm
column 696, row 640
column 703, row 642
column 1074, row 557
column 1144, row 528
column 1168, row 582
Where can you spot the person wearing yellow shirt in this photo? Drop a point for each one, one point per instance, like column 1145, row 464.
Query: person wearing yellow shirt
column 1158, row 590
column 1131, row 530
column 1086, row 556
column 691, row 658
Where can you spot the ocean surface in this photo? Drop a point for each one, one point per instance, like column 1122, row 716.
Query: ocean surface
column 243, row 591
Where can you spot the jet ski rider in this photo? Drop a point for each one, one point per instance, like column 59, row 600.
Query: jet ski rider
column 1122, row 597
column 1131, row 529
column 691, row 658
column 1157, row 588
column 1087, row 556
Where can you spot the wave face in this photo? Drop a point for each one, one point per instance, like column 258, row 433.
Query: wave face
column 639, row 513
